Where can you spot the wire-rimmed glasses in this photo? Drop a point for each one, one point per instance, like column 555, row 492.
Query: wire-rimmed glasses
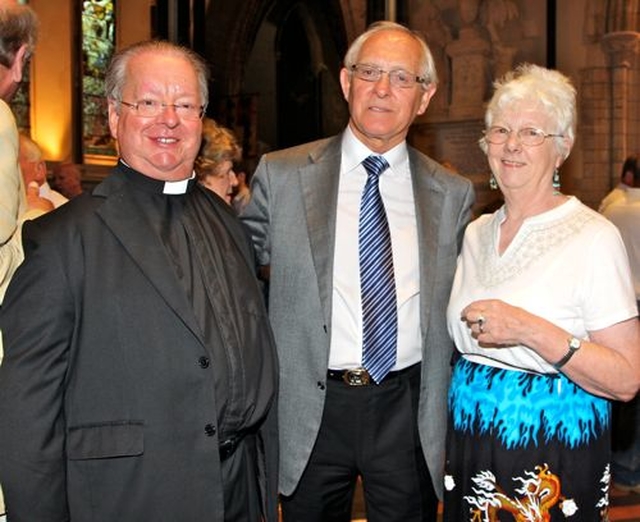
column 529, row 136
column 397, row 77
column 151, row 108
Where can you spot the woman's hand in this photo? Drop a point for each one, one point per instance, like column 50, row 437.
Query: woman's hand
column 495, row 323
column 608, row 363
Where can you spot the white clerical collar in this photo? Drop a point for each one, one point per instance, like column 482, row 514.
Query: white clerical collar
column 173, row 188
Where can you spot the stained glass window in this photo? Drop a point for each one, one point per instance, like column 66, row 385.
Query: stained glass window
column 98, row 43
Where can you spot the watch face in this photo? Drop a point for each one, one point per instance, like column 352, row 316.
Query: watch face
column 574, row 343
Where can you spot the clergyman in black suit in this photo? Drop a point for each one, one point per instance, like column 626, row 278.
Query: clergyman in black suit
column 139, row 369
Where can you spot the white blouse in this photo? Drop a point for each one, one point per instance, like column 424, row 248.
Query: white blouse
column 568, row 265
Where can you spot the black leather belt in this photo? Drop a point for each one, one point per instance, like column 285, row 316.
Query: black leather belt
column 228, row 446
column 361, row 377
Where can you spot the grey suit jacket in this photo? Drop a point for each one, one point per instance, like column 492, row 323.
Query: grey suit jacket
column 292, row 217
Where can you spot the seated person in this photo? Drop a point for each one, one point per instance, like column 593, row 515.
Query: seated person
column 34, row 170
column 67, row 178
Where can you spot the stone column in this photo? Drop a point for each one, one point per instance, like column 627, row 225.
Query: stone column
column 621, row 50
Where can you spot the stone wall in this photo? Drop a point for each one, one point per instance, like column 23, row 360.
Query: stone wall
column 609, row 116
column 601, row 43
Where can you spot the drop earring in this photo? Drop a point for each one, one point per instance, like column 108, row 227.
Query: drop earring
column 493, row 184
column 555, row 182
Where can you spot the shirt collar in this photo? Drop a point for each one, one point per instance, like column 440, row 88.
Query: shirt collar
column 354, row 152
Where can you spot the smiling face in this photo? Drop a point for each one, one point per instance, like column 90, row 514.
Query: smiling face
column 164, row 146
column 518, row 168
column 380, row 114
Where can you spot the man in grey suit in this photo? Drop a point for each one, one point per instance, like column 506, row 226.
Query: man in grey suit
column 339, row 417
column 139, row 367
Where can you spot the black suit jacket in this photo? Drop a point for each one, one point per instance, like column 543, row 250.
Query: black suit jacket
column 106, row 412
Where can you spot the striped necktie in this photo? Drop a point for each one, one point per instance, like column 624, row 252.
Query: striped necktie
column 377, row 283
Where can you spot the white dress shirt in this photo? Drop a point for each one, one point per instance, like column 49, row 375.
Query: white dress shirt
column 625, row 214
column 397, row 194
column 552, row 268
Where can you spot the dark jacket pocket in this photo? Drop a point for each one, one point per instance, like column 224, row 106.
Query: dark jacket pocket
column 112, row 439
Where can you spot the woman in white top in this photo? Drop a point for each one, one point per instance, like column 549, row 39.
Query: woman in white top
column 543, row 314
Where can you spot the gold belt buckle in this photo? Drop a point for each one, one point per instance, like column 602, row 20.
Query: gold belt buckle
column 356, row 377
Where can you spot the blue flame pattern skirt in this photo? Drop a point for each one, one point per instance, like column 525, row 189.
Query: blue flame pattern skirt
column 525, row 447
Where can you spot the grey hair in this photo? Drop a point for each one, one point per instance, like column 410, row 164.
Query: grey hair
column 29, row 149
column 428, row 66
column 117, row 72
column 551, row 89
column 18, row 26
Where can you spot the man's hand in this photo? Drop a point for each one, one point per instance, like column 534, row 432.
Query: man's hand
column 34, row 201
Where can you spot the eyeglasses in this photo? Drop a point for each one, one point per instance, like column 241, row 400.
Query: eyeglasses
column 397, row 77
column 528, row 136
column 151, row 108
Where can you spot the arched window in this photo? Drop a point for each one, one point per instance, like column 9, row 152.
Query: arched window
column 98, row 44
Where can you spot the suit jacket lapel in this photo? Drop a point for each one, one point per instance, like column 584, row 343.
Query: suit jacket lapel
column 428, row 195
column 119, row 212
column 319, row 184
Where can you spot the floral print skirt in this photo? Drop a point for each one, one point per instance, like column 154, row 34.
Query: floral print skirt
column 525, row 447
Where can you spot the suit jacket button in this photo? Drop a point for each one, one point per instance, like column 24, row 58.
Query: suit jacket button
column 204, row 362
column 210, row 430
column 321, row 385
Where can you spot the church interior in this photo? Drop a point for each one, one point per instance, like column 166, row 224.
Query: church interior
column 272, row 60
column 275, row 66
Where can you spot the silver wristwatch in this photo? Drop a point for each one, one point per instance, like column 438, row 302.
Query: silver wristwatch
column 574, row 345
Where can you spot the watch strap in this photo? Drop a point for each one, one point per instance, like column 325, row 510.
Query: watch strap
column 574, row 345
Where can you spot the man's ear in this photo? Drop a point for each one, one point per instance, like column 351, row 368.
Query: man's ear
column 345, row 82
column 428, row 93
column 41, row 169
column 114, row 116
column 17, row 68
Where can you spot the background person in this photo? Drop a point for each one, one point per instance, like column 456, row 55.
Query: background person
column 18, row 35
column 341, row 415
column 544, row 316
column 624, row 213
column 214, row 166
column 626, row 181
column 34, row 170
column 140, row 370
column 67, row 179
column 242, row 193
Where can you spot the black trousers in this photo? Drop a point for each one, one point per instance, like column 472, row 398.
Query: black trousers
column 369, row 432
